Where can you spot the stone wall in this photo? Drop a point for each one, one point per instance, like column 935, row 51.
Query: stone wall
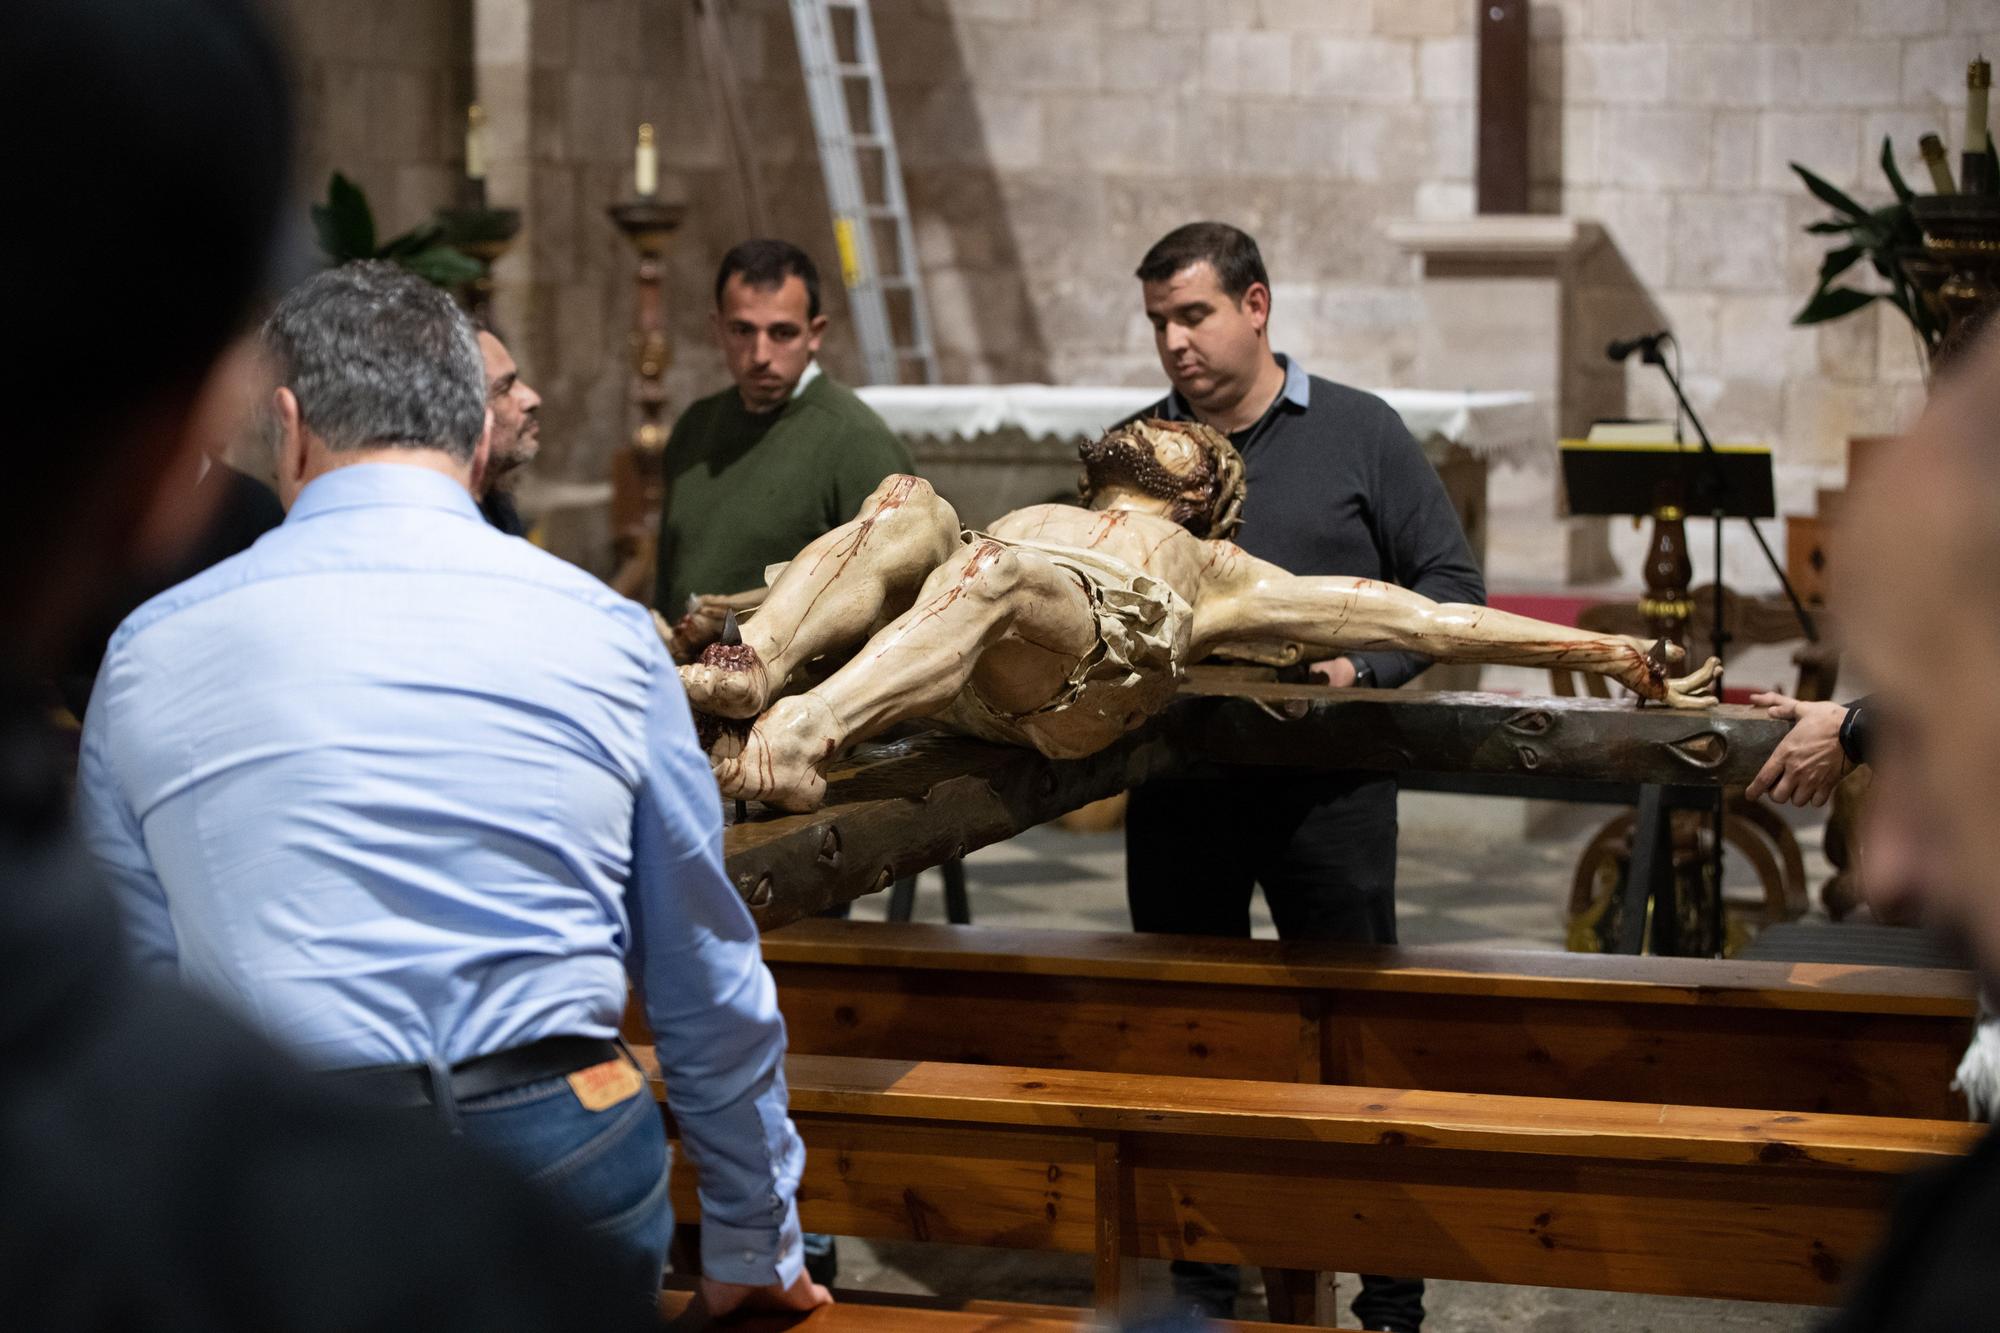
column 1314, row 122
column 1048, row 142
column 383, row 86
column 1677, row 121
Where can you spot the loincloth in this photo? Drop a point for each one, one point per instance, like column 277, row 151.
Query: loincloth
column 1129, row 674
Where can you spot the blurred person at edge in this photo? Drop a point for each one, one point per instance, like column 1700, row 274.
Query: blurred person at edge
column 163, row 1167
column 1924, row 615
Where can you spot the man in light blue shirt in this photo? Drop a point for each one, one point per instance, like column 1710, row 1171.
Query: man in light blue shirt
column 416, row 797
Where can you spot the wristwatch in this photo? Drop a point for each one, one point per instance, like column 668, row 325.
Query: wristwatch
column 1855, row 730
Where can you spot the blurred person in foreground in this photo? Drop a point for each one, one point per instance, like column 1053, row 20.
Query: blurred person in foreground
column 162, row 1167
column 1923, row 588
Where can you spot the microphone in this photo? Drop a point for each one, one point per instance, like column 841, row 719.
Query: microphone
column 1648, row 343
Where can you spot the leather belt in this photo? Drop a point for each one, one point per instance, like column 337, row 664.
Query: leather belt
column 410, row 1086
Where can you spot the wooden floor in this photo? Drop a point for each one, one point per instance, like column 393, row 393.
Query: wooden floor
column 872, row 1312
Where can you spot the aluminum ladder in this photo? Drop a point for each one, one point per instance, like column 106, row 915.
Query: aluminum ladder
column 871, row 277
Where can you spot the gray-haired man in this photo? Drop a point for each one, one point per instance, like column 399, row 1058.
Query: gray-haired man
column 415, row 796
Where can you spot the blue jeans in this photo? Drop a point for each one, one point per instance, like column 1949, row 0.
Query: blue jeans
column 608, row 1167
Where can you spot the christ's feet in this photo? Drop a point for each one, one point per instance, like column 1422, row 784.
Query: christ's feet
column 728, row 680
column 777, row 761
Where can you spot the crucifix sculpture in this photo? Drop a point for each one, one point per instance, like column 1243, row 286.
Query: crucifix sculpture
column 1063, row 628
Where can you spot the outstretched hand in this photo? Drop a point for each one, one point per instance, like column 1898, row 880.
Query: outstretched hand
column 1809, row 763
column 716, row 1301
column 1697, row 689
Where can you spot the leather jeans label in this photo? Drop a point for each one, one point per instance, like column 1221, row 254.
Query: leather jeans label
column 602, row 1086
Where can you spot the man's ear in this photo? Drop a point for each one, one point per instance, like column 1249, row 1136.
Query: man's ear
column 291, row 442
column 1257, row 304
column 815, row 331
column 482, row 457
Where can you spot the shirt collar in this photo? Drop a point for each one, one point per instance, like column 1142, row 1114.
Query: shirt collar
column 812, row 373
column 1297, row 391
column 369, row 485
column 1298, row 384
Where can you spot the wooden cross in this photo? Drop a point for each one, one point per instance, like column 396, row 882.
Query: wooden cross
column 1502, row 169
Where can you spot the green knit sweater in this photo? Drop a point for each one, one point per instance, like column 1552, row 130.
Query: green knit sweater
column 746, row 490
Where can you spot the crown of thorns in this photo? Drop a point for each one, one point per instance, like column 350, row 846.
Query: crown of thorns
column 1206, row 498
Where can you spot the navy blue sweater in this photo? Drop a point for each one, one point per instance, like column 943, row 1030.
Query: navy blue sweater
column 1337, row 485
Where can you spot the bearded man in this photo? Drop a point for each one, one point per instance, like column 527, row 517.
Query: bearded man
column 517, row 434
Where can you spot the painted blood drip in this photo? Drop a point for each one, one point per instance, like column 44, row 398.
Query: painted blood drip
column 982, row 555
column 847, row 549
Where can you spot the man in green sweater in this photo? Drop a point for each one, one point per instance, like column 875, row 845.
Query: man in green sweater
column 757, row 471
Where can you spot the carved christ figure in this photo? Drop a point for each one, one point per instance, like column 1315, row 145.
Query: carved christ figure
column 1063, row 628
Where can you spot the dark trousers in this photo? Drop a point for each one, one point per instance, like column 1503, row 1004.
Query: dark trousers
column 1323, row 849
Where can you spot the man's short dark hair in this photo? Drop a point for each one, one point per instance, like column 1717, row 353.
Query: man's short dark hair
column 1230, row 251
column 379, row 358
column 767, row 263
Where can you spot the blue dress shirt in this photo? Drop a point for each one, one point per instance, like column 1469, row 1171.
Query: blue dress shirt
column 404, row 789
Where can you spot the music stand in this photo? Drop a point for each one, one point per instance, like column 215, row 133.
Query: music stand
column 1667, row 480
column 1622, row 478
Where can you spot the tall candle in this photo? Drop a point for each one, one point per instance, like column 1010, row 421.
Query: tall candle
column 475, row 142
column 646, row 164
column 1972, row 176
column 1932, row 148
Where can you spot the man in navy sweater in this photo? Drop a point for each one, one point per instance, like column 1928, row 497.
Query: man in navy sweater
column 1336, row 485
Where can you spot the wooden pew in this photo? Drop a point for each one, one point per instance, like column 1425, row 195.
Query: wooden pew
column 1775, row 1036
column 1613, row 1196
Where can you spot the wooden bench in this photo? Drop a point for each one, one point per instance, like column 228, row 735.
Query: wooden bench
column 1613, row 1196
column 1782, row 1037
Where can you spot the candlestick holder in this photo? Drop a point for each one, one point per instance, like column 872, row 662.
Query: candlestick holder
column 485, row 234
column 1962, row 236
column 637, row 487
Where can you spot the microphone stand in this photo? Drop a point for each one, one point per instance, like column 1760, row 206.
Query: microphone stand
column 1718, row 483
column 1718, row 488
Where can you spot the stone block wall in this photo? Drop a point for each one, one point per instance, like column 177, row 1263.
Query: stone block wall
column 1673, row 123
column 383, row 86
column 1046, row 143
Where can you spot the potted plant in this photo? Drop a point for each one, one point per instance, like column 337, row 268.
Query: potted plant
column 1891, row 241
column 345, row 226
